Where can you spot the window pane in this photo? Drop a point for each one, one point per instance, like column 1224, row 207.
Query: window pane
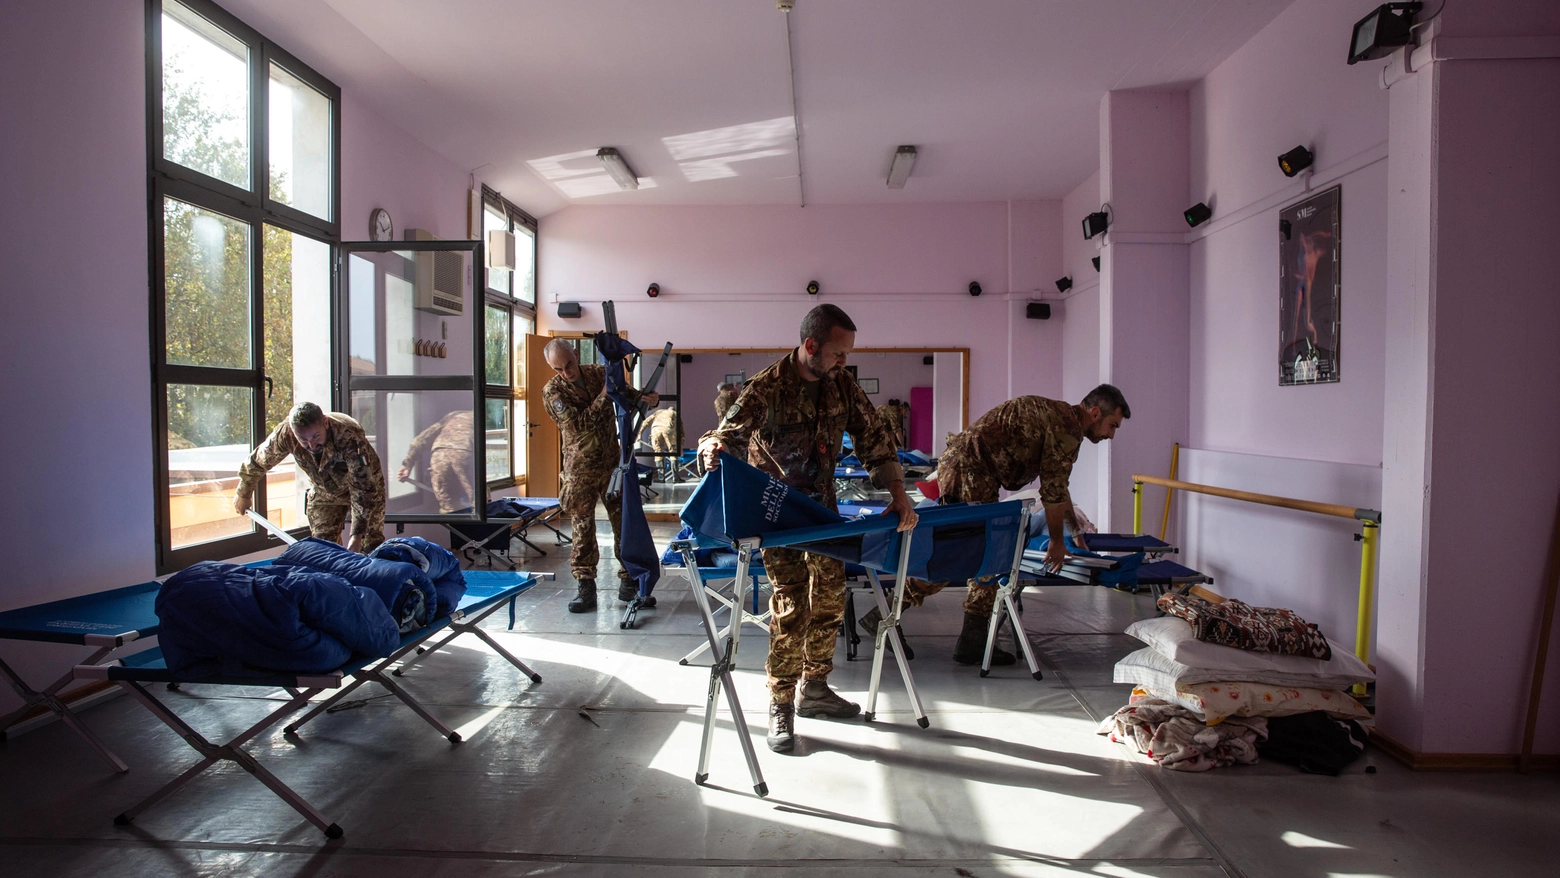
column 205, row 97
column 206, row 264
column 299, row 121
column 426, row 435
column 297, row 349
column 524, row 326
column 410, row 313
column 496, row 351
column 209, row 435
column 525, row 265
column 522, row 430
column 493, row 220
column 497, row 439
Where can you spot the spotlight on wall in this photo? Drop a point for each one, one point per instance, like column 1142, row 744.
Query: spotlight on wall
column 655, row 290
column 569, row 310
column 1285, row 229
column 1197, row 214
column 1096, row 261
column 1387, row 27
column 1295, row 161
column 899, row 168
column 1064, row 285
column 812, row 288
column 617, row 168
column 1038, row 310
column 974, row 288
column 1095, row 223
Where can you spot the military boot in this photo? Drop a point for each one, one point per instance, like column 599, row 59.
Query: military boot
column 971, row 645
column 782, row 727
column 816, row 700
column 585, row 601
column 869, row 626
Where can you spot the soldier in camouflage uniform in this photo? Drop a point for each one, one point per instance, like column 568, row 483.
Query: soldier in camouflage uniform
column 333, row 451
column 665, row 432
column 893, row 422
column 790, row 417
column 576, row 398
column 725, row 395
column 1008, row 447
column 448, row 446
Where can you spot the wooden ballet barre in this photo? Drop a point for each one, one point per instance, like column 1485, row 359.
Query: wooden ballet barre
column 1335, row 509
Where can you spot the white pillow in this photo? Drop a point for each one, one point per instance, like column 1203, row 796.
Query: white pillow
column 1172, row 637
column 1149, row 669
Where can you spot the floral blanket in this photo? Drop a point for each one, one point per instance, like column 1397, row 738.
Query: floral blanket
column 1237, row 624
column 1178, row 740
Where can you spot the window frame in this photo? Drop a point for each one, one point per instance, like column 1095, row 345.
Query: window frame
column 515, row 308
column 168, row 179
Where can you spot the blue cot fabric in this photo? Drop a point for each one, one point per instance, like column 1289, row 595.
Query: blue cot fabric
column 400, row 585
column 914, row 458
column 227, row 620
column 523, row 508
column 736, row 501
column 438, row 563
column 637, row 547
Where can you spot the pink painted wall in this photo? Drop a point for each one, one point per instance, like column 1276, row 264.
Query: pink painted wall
column 735, row 276
column 1080, row 315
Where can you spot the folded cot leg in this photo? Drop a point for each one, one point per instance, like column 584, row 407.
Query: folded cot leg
column 384, row 680
column 519, row 665
column 323, row 706
column 423, row 652
column 702, row 648
column 231, row 751
column 888, row 636
column 720, row 671
column 50, row 700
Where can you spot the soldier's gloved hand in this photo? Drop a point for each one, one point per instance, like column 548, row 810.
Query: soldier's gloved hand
column 240, row 504
column 709, row 453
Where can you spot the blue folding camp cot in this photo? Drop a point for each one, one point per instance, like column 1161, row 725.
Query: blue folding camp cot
column 106, row 621
column 745, row 509
column 486, row 591
column 851, row 481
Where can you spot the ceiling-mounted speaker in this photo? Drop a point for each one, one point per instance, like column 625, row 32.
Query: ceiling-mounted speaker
column 570, row 310
column 1038, row 310
column 1096, row 262
column 927, row 360
column 974, row 288
column 685, row 358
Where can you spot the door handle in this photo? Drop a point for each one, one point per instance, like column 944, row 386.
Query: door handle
column 270, row 386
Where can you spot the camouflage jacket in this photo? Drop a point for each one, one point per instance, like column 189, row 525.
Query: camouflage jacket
column 586, row 419
column 797, row 442
column 662, row 424
column 345, row 471
column 723, row 401
column 1020, row 440
column 893, row 418
column 453, row 431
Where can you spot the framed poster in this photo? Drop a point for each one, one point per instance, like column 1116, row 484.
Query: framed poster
column 1308, row 289
column 869, row 385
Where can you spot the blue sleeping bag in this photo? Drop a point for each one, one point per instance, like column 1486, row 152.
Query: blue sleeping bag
column 406, row 590
column 438, row 563
column 229, row 620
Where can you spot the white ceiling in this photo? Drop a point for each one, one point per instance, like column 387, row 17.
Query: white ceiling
column 1001, row 97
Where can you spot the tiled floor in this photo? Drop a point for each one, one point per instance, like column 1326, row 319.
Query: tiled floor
column 1010, row 779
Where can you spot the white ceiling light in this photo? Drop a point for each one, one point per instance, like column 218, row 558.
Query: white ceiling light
column 617, row 168
column 899, row 171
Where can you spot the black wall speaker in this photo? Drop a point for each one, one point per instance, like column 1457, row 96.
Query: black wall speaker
column 927, row 360
column 1038, row 310
column 685, row 358
column 570, row 309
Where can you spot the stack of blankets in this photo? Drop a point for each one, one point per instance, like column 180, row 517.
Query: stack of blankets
column 308, row 611
column 1222, row 683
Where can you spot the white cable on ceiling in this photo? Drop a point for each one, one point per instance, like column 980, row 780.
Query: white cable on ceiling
column 796, row 115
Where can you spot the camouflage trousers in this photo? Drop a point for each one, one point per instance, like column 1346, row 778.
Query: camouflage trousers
column 578, row 498
column 448, row 470
column 328, row 517
column 806, row 606
column 960, row 482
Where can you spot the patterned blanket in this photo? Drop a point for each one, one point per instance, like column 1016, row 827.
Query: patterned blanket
column 1175, row 738
column 1237, row 624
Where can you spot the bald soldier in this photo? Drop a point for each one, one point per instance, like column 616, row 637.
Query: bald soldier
column 447, row 443
column 333, row 451
column 576, row 398
column 790, row 417
column 1008, row 447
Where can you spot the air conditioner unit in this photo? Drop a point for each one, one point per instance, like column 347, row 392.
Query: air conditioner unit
column 440, row 278
column 501, row 250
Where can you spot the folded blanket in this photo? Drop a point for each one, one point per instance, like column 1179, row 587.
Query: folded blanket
column 438, row 563
column 1175, row 738
column 1238, row 624
column 225, row 619
column 406, row 590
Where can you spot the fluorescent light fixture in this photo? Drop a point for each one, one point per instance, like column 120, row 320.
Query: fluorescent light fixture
column 1378, row 34
column 899, row 170
column 618, row 169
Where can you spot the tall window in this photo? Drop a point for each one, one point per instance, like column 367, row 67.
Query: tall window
column 243, row 171
column 511, row 316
